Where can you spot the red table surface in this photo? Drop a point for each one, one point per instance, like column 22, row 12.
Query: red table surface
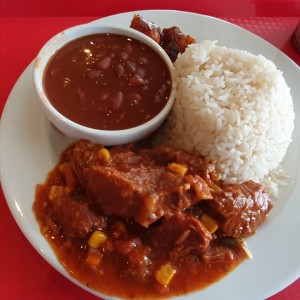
column 24, row 274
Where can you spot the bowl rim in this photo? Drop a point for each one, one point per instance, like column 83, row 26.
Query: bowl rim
column 72, row 33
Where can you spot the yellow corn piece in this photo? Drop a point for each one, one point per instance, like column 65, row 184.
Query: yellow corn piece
column 178, row 168
column 56, row 191
column 97, row 238
column 164, row 274
column 209, row 223
column 104, row 154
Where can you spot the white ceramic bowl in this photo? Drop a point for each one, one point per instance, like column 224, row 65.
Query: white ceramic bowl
column 75, row 130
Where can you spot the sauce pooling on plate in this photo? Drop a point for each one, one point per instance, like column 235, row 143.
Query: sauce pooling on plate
column 107, row 81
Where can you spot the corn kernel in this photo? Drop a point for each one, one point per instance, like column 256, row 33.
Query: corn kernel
column 56, row 191
column 209, row 223
column 178, row 168
column 104, row 154
column 164, row 274
column 97, row 239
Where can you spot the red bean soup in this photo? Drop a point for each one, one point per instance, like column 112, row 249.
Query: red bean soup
column 107, row 81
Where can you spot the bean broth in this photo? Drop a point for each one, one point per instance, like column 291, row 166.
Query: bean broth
column 107, row 81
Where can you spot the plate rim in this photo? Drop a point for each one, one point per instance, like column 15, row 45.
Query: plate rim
column 6, row 107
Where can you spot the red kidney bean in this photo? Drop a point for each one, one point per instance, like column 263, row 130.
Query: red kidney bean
column 117, row 100
column 141, row 72
column 119, row 69
column 135, row 99
column 80, row 93
column 93, row 73
column 135, row 96
column 159, row 93
column 136, row 80
column 104, row 63
column 130, row 66
column 142, row 60
column 123, row 55
column 128, row 48
column 104, row 96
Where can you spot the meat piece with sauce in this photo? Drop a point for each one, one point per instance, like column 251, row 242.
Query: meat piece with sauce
column 137, row 188
column 136, row 184
column 241, row 208
column 84, row 155
column 147, row 27
column 75, row 217
column 174, row 41
column 181, row 235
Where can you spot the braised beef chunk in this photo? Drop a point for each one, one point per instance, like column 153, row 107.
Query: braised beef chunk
column 134, row 186
column 83, row 156
column 137, row 183
column 217, row 253
column 174, row 41
column 75, row 217
column 181, row 235
column 242, row 208
column 147, row 27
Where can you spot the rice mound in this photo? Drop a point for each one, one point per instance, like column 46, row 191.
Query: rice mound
column 232, row 107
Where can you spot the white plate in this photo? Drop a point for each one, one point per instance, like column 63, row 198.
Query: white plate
column 30, row 147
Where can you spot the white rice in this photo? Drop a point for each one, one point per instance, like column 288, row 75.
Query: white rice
column 232, row 107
